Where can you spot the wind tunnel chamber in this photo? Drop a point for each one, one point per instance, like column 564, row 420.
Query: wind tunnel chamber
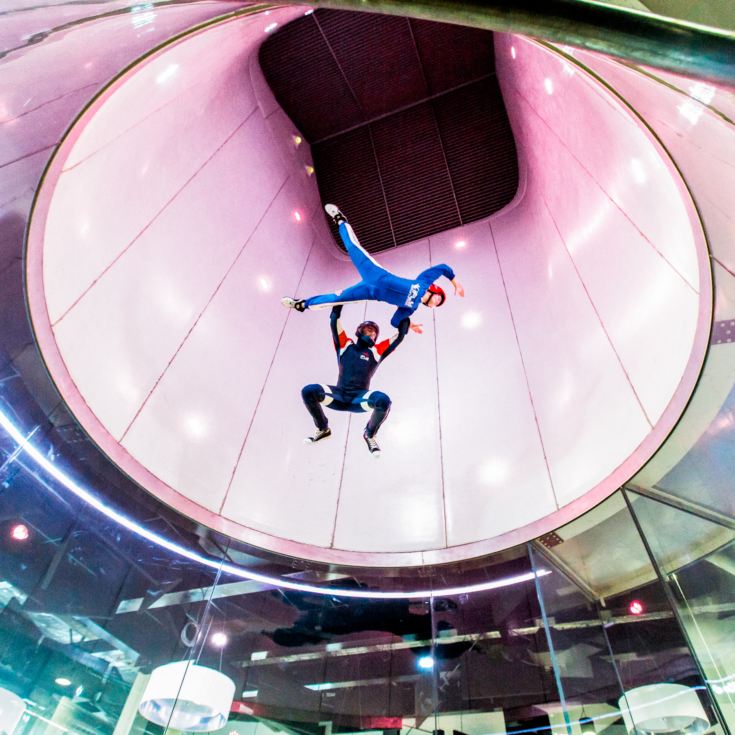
column 156, row 303
column 546, row 544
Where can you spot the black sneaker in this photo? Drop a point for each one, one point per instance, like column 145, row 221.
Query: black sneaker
column 372, row 445
column 334, row 212
column 320, row 434
column 290, row 303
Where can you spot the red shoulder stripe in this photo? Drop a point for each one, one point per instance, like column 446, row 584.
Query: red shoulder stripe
column 381, row 347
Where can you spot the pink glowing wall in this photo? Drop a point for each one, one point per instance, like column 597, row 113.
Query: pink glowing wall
column 170, row 226
column 692, row 119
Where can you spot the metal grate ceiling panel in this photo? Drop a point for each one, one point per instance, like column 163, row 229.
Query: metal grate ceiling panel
column 479, row 148
column 407, row 125
column 452, row 55
column 357, row 186
column 384, row 81
column 417, row 186
column 304, row 75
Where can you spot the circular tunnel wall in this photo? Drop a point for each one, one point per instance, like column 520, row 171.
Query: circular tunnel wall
column 179, row 209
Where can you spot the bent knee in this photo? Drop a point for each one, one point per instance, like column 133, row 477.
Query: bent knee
column 312, row 392
column 381, row 401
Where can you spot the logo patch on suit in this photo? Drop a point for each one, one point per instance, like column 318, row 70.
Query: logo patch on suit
column 413, row 292
column 364, row 356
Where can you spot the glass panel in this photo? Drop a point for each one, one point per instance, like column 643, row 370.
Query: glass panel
column 697, row 557
column 86, row 607
column 492, row 667
column 613, row 630
column 582, row 655
column 322, row 664
column 703, row 473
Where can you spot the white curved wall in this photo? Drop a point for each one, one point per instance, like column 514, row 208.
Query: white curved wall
column 693, row 119
column 603, row 222
column 167, row 231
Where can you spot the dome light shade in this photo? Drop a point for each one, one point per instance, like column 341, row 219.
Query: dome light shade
column 12, row 708
column 188, row 697
column 663, row 708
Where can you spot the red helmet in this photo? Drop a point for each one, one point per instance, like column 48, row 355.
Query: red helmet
column 434, row 289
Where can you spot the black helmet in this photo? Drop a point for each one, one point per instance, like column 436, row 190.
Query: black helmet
column 363, row 325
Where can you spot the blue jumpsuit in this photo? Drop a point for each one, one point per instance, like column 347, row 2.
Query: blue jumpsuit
column 379, row 284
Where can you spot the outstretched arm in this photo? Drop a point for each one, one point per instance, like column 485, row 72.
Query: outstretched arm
column 339, row 336
column 437, row 271
column 387, row 346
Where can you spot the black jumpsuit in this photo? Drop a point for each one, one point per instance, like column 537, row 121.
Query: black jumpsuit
column 357, row 362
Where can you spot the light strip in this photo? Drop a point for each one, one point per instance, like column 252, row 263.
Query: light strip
column 70, row 484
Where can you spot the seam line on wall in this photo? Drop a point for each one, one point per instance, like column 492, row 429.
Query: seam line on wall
column 525, row 371
column 30, row 154
column 597, row 314
column 606, row 194
column 439, row 422
column 265, row 380
column 201, row 313
column 136, row 124
column 155, row 217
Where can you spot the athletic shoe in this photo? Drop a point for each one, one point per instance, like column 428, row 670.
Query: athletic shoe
column 333, row 211
column 290, row 303
column 320, row 434
column 372, row 445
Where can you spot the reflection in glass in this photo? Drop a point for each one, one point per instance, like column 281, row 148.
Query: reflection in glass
column 87, row 609
column 610, row 620
column 588, row 676
column 696, row 557
column 493, row 671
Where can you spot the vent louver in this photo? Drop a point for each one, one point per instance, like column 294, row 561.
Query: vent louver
column 405, row 118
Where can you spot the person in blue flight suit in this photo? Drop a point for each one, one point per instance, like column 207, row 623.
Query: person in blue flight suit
column 358, row 360
column 379, row 284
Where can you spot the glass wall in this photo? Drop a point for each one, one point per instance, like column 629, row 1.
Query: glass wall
column 695, row 555
column 620, row 651
column 622, row 619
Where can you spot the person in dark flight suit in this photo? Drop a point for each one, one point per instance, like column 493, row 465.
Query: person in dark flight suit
column 358, row 360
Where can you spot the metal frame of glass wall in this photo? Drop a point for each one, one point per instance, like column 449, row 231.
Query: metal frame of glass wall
column 635, row 594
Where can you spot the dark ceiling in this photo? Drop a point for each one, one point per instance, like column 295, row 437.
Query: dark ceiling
column 408, row 129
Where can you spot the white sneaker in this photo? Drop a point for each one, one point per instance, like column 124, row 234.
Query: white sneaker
column 372, row 445
column 320, row 434
column 334, row 212
column 290, row 303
